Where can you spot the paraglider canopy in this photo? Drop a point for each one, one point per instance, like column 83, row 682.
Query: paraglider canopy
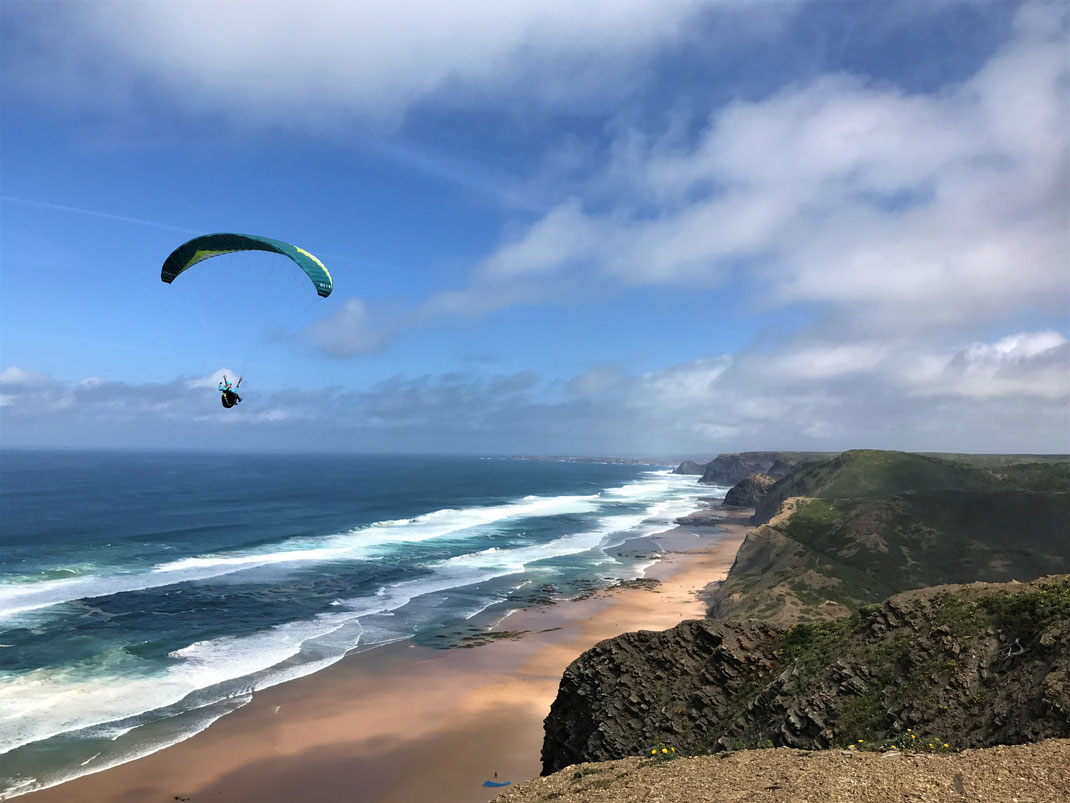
column 212, row 245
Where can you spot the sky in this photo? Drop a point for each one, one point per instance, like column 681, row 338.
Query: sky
column 639, row 227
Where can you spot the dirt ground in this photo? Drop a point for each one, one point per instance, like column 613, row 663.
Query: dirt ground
column 1031, row 773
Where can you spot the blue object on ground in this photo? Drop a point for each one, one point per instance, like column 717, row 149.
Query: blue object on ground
column 495, row 783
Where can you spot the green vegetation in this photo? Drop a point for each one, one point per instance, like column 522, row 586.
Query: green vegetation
column 812, row 518
column 1023, row 615
column 996, row 461
column 913, row 667
column 582, row 771
column 662, row 752
column 862, row 716
column 918, row 742
column 1036, row 476
column 810, row 648
column 869, row 524
column 868, row 473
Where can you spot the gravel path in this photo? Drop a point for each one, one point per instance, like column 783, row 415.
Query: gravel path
column 1032, row 773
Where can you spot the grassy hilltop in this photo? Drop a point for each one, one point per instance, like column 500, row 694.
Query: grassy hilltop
column 861, row 526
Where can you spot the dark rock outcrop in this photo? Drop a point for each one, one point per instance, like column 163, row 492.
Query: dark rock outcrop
column 749, row 491
column 689, row 467
column 972, row 666
column 782, row 468
column 728, row 469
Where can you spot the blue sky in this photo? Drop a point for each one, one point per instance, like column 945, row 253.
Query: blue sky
column 668, row 228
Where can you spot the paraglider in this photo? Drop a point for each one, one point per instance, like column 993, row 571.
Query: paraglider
column 212, row 245
column 230, row 394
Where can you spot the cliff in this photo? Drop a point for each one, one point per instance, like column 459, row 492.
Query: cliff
column 728, row 469
column 865, row 525
column 689, row 467
column 749, row 491
column 969, row 666
column 868, row 473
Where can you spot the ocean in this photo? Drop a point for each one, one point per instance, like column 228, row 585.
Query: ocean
column 143, row 595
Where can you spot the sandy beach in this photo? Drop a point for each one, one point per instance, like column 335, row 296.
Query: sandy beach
column 411, row 723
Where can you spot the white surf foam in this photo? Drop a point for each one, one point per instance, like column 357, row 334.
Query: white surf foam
column 44, row 703
column 360, row 543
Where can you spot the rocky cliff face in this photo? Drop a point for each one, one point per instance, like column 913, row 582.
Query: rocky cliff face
column 728, row 469
column 969, row 666
column 689, row 467
column 782, row 467
column 749, row 491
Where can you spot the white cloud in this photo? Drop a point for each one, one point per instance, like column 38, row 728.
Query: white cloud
column 275, row 415
column 816, row 361
column 563, row 236
column 353, row 329
column 891, row 210
column 596, row 381
column 687, row 386
column 213, row 379
column 309, row 64
column 1009, row 395
column 13, row 375
column 1023, row 346
column 1027, row 365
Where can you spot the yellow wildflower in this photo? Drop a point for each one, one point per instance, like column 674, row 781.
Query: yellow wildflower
column 664, row 750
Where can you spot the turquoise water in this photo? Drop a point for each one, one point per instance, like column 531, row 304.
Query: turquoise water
column 144, row 595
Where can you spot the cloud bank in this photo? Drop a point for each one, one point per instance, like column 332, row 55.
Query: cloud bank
column 326, row 61
column 1009, row 395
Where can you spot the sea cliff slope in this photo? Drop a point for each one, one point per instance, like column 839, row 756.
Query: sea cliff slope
column 864, row 525
column 966, row 666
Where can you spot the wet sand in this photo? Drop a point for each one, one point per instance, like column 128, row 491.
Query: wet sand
column 411, row 723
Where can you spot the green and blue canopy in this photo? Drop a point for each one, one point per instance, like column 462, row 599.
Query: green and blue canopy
column 212, row 245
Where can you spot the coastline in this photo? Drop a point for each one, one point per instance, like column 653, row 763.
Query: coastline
column 408, row 722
